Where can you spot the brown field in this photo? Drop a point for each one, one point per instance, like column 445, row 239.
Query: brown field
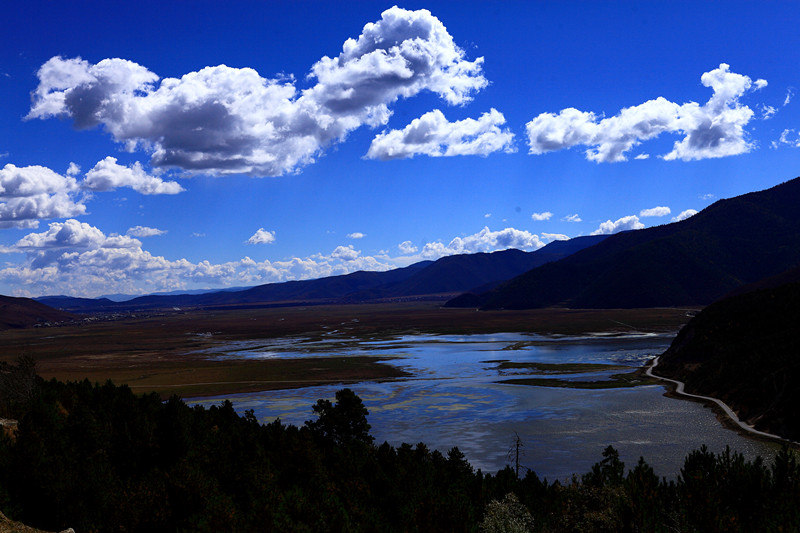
column 149, row 352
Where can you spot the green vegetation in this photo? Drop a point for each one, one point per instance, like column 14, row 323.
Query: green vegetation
column 100, row 458
column 557, row 368
column 615, row 381
column 633, row 378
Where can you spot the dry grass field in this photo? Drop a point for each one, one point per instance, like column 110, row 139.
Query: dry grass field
column 152, row 352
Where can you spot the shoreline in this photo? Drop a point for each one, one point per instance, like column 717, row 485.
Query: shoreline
column 730, row 414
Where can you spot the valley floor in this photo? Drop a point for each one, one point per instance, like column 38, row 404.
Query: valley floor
column 159, row 352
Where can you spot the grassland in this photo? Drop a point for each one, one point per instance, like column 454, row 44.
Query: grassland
column 163, row 352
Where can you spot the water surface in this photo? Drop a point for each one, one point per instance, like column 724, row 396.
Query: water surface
column 456, row 397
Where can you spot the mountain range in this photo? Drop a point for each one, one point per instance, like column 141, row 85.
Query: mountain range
column 694, row 262
column 445, row 277
column 732, row 243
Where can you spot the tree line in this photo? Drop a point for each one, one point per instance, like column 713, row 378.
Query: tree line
column 97, row 457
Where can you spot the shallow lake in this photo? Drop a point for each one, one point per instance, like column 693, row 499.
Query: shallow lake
column 456, row 397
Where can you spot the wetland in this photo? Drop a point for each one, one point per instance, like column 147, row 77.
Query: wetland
column 565, row 381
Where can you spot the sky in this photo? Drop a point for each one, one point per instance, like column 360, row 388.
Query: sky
column 161, row 146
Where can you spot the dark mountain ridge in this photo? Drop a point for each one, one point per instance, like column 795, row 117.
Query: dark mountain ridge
column 689, row 263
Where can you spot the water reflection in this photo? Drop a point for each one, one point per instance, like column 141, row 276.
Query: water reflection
column 454, row 399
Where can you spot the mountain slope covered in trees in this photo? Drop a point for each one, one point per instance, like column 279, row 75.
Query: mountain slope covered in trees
column 24, row 312
column 745, row 350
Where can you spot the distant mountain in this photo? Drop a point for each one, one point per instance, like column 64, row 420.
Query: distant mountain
column 126, row 297
column 25, row 312
column 77, row 305
column 448, row 275
column 745, row 351
column 457, row 273
column 693, row 262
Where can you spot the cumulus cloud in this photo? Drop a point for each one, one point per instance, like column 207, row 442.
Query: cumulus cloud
column 714, row 129
column 407, row 248
column 572, row 218
column 542, row 216
column 660, row 211
column 684, row 215
column 608, row 227
column 356, row 235
column 345, row 253
column 222, row 120
column 434, row 136
column 483, row 241
column 261, row 236
column 144, row 231
column 29, row 194
column 72, row 257
column 108, row 175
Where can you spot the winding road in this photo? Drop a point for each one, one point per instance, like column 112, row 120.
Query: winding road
column 679, row 389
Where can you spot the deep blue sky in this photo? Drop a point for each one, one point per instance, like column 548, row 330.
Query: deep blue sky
column 581, row 117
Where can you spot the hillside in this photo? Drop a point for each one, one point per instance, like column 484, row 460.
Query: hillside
column 689, row 263
column 25, row 313
column 745, row 350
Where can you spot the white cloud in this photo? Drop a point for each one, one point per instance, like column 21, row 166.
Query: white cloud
column 555, row 236
column 108, row 175
column 73, row 169
column 75, row 258
column 542, row 216
column 572, row 218
column 356, row 235
column 345, row 253
column 434, row 136
column 708, row 197
column 684, row 215
column 144, row 231
column 660, row 211
column 789, row 96
column 642, row 157
column 261, row 236
column 407, row 248
column 715, row 129
column 767, row 111
column 789, row 138
column 608, row 227
column 223, row 120
column 483, row 241
column 487, row 215
column 28, row 194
